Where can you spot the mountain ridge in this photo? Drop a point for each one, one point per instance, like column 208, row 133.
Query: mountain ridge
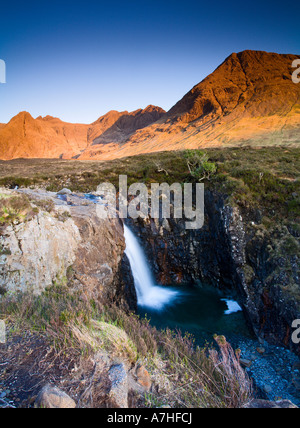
column 249, row 99
column 50, row 137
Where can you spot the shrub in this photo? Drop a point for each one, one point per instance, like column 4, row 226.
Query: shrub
column 45, row 204
column 14, row 209
column 199, row 165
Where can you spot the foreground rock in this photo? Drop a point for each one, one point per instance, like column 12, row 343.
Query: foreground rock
column 51, row 397
column 143, row 378
column 264, row 404
column 118, row 395
column 70, row 244
column 233, row 106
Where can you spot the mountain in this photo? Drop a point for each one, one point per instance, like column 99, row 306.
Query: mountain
column 249, row 99
column 49, row 137
column 114, row 128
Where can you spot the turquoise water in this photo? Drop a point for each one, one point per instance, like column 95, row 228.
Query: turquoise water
column 201, row 312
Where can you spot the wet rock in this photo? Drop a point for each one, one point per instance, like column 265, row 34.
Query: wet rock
column 245, row 363
column 273, row 372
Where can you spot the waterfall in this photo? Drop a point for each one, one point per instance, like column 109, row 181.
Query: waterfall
column 148, row 293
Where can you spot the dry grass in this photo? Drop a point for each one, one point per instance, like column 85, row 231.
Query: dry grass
column 104, row 336
column 75, row 330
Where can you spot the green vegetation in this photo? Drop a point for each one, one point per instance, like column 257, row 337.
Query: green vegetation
column 15, row 209
column 44, row 205
column 198, row 164
column 265, row 179
column 188, row 376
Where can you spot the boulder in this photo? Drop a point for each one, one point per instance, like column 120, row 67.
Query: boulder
column 50, row 397
column 143, row 378
column 245, row 363
column 64, row 192
column 118, row 395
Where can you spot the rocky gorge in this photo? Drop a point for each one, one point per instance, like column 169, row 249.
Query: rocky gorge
column 232, row 251
column 68, row 243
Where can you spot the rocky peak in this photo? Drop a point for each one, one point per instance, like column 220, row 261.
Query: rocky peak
column 255, row 82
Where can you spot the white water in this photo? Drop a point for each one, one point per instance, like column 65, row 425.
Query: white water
column 148, row 293
column 232, row 306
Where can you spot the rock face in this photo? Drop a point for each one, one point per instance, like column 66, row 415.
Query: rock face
column 37, row 253
column 71, row 244
column 232, row 251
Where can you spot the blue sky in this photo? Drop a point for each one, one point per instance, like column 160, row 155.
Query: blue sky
column 77, row 60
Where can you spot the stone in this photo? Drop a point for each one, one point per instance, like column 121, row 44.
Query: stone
column 260, row 350
column 267, row 389
column 50, row 397
column 64, row 192
column 143, row 378
column 265, row 404
column 40, row 251
column 118, row 395
column 70, row 140
column 245, row 363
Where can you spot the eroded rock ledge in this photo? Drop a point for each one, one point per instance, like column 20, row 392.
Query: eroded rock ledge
column 69, row 244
